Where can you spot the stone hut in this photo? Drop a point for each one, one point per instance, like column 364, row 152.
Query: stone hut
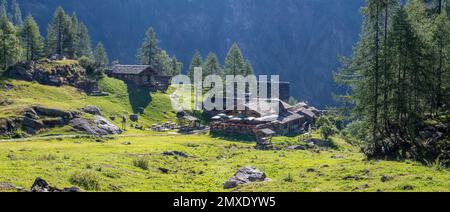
column 142, row 76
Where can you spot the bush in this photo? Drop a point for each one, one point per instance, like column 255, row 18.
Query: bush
column 141, row 163
column 326, row 131
column 88, row 180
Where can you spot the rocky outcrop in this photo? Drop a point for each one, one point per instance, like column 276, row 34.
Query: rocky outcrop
column 48, row 72
column 246, row 175
column 37, row 118
column 98, row 126
column 93, row 110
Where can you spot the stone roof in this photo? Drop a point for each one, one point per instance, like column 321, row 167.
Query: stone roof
column 132, row 69
column 267, row 131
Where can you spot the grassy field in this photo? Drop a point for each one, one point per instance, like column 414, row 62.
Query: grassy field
column 113, row 166
column 123, row 100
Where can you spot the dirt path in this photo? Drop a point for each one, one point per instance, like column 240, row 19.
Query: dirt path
column 44, row 138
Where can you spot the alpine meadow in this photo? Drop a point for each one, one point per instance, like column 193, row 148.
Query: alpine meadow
column 318, row 96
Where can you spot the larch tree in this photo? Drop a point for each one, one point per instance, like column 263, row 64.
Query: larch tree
column 32, row 40
column 100, row 56
column 10, row 49
column 212, row 65
column 234, row 61
column 148, row 53
column 197, row 61
column 17, row 18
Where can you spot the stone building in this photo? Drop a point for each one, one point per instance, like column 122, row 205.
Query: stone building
column 286, row 120
column 142, row 76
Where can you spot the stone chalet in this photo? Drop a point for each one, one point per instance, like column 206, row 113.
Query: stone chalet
column 142, row 76
column 288, row 121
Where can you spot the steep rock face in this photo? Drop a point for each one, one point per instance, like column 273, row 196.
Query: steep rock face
column 46, row 72
column 297, row 39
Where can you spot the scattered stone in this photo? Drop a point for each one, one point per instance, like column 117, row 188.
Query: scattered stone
column 113, row 118
column 175, row 153
column 352, row 177
column 163, row 170
column 407, row 187
column 245, row 175
column 7, row 87
column 311, row 170
column 364, row 186
column 319, row 143
column 126, row 143
column 93, row 110
column 325, row 166
column 386, row 178
column 40, row 185
column 298, row 147
column 98, row 127
column 337, row 157
column 134, row 117
column 7, row 187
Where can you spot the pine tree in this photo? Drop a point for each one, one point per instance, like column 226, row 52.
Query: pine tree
column 100, row 56
column 441, row 47
column 212, row 66
column 197, row 61
column 16, row 13
column 3, row 9
column 10, row 49
column 31, row 39
column 148, row 53
column 58, row 33
column 248, row 68
column 84, row 41
column 176, row 66
column 234, row 61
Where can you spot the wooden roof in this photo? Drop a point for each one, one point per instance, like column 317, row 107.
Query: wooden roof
column 133, row 69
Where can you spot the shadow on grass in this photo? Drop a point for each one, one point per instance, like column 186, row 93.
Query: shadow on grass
column 139, row 98
column 234, row 138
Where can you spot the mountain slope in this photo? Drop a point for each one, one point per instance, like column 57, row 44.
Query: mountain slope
column 298, row 39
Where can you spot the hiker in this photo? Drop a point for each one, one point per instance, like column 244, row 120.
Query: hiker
column 124, row 122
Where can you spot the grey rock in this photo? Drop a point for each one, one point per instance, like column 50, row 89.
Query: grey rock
column 30, row 113
column 175, row 153
column 299, row 147
column 246, row 175
column 31, row 126
column 41, row 186
column 99, row 126
column 93, row 110
column 134, row 117
column 51, row 112
column 386, row 178
column 320, row 143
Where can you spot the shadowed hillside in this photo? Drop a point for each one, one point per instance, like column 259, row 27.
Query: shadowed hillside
column 298, row 39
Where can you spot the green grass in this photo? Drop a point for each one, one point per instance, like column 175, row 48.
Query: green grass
column 121, row 101
column 113, row 166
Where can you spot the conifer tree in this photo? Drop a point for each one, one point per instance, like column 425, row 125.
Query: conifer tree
column 234, row 61
column 31, row 39
column 10, row 49
column 57, row 35
column 100, row 56
column 149, row 51
column 17, row 18
column 197, row 61
column 211, row 66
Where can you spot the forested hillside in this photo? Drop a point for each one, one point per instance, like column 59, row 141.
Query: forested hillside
column 299, row 39
column 399, row 77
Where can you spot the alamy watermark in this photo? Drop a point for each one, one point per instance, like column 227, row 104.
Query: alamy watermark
column 228, row 93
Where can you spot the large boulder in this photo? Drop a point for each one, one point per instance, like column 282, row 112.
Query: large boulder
column 134, row 117
column 40, row 185
column 246, row 175
column 51, row 112
column 31, row 126
column 93, row 110
column 98, row 126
